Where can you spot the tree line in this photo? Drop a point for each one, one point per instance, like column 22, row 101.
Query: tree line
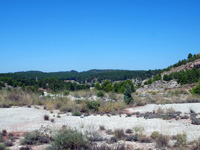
column 52, row 84
column 90, row 76
column 184, row 77
column 117, row 87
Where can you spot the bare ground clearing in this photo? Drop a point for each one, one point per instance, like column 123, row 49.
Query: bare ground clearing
column 22, row 119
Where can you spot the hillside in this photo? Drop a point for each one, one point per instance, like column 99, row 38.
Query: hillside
column 185, row 73
column 184, row 67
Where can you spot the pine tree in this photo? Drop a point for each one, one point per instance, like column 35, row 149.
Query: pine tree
column 128, row 99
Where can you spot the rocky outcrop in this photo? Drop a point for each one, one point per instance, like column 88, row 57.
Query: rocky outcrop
column 195, row 64
column 190, row 65
column 159, row 86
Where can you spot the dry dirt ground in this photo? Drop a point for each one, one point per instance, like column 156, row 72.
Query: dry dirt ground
column 22, row 119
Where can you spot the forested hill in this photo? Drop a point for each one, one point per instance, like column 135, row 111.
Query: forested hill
column 81, row 77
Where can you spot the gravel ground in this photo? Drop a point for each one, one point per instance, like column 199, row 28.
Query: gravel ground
column 21, row 119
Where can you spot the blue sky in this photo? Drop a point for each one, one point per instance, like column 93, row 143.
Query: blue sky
column 62, row 35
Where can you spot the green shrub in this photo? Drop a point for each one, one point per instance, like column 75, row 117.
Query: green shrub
column 92, row 105
column 155, row 135
column 65, row 93
column 182, row 139
column 196, row 145
column 69, row 140
column 2, row 147
column 34, row 138
column 128, row 99
column 100, row 94
column 76, row 113
column 196, row 90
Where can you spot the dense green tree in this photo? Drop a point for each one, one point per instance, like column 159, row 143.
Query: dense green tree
column 23, row 88
column 150, row 81
column 189, row 56
column 119, row 87
column 128, row 99
column 139, row 85
column 109, row 87
column 98, row 86
column 184, row 77
column 157, row 77
column 100, row 94
column 196, row 90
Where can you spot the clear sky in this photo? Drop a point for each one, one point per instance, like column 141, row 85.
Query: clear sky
column 63, row 35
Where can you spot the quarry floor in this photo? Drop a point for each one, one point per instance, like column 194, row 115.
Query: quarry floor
column 22, row 119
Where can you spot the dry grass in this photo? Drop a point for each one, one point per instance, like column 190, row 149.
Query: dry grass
column 83, row 93
column 162, row 110
column 108, row 107
column 168, row 97
column 17, row 97
column 162, row 141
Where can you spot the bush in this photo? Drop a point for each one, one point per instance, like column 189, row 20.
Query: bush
column 195, row 121
column 100, row 94
column 109, row 107
column 34, row 138
column 119, row 133
column 65, row 93
column 196, row 145
column 162, row 141
column 182, row 139
column 58, row 105
column 92, row 105
column 132, row 138
column 46, row 117
column 128, row 99
column 155, row 135
column 2, row 147
column 76, row 113
column 113, row 139
column 95, row 137
column 145, row 140
column 69, row 139
column 8, row 143
column 4, row 105
column 129, row 131
column 101, row 127
column 109, row 131
column 4, row 133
